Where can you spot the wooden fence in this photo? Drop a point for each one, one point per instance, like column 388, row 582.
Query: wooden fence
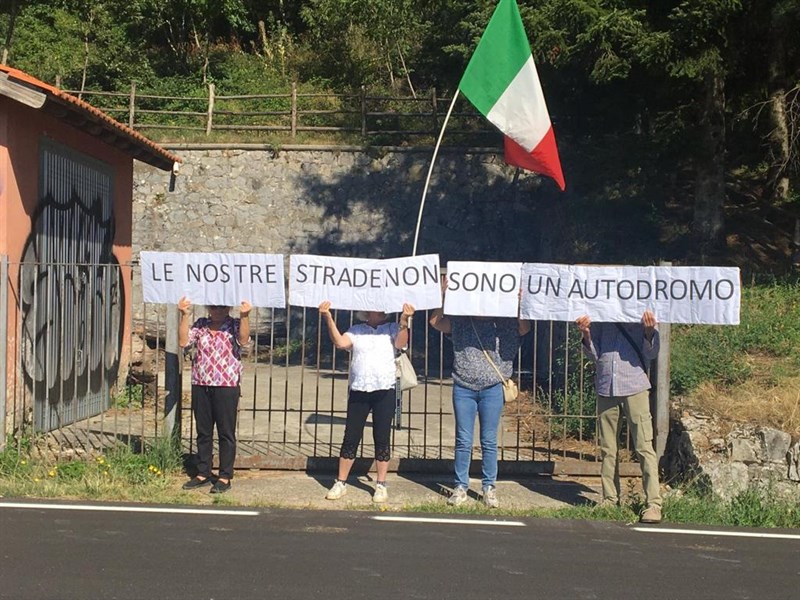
column 371, row 117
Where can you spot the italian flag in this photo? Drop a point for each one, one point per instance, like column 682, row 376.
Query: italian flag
column 502, row 82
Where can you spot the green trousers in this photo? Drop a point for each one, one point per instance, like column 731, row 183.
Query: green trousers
column 640, row 424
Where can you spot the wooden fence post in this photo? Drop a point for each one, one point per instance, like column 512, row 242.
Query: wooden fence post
column 434, row 111
column 364, row 111
column 132, row 105
column 172, row 376
column 659, row 403
column 294, row 109
column 210, row 119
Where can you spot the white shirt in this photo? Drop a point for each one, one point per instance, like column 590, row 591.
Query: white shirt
column 372, row 365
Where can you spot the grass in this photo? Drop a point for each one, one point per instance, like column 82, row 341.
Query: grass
column 119, row 474
column 728, row 356
column 745, row 373
column 753, row 507
column 155, row 475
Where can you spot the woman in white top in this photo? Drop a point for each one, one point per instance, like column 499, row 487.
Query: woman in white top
column 371, row 388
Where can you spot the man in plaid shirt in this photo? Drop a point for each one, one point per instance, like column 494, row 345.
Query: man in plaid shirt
column 622, row 353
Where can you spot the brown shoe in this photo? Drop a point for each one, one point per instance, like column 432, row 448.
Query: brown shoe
column 652, row 514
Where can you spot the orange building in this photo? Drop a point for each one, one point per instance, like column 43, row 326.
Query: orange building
column 66, row 188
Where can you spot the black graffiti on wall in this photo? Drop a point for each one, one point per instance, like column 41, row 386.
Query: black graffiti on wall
column 71, row 294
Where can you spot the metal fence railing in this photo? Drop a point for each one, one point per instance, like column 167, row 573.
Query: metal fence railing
column 82, row 380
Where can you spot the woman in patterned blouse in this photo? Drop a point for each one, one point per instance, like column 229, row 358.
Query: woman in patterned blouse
column 216, row 371
column 372, row 388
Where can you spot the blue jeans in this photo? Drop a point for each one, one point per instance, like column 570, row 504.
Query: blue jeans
column 488, row 405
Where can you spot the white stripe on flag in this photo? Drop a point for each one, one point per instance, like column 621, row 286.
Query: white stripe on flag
column 521, row 112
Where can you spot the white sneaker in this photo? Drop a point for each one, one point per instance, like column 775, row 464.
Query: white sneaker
column 338, row 490
column 381, row 494
column 458, row 497
column 490, row 497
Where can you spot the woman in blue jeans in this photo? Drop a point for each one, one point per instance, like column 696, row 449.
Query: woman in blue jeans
column 478, row 390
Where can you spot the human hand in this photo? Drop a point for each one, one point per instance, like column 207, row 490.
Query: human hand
column 325, row 308
column 184, row 305
column 649, row 322
column 244, row 308
column 584, row 324
column 408, row 310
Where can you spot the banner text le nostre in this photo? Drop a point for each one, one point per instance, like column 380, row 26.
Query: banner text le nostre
column 213, row 279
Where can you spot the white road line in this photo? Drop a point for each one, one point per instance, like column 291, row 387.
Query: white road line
column 131, row 509
column 450, row 521
column 744, row 534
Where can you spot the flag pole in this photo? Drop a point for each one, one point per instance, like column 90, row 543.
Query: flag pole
column 430, row 171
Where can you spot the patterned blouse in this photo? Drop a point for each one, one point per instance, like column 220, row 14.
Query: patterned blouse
column 218, row 358
column 500, row 338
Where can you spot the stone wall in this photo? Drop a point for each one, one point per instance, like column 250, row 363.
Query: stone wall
column 727, row 459
column 346, row 203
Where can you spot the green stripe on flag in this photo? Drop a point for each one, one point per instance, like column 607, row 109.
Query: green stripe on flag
column 501, row 53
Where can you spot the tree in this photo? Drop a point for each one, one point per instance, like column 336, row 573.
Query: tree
column 369, row 41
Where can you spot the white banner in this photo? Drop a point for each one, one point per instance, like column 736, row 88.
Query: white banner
column 482, row 289
column 702, row 295
column 213, row 279
column 365, row 284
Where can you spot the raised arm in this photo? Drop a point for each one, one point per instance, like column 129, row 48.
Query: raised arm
column 438, row 321
column 244, row 323
column 340, row 341
column 185, row 308
column 401, row 340
column 651, row 343
column 523, row 324
column 584, row 324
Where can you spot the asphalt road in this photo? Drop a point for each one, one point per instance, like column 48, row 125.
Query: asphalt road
column 283, row 554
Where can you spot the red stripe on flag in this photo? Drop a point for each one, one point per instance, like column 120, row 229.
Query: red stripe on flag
column 543, row 160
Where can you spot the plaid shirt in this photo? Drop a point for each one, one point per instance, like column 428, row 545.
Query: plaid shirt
column 218, row 359
column 619, row 370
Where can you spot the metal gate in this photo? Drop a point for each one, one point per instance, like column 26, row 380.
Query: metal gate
column 294, row 387
column 69, row 291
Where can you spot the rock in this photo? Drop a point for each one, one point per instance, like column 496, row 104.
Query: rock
column 793, row 458
column 774, row 444
column 728, row 463
column 742, row 450
column 727, row 479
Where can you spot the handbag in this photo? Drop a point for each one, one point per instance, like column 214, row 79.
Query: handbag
column 406, row 376
column 510, row 389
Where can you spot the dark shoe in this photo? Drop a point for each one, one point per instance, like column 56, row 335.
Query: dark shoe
column 220, row 487
column 196, row 482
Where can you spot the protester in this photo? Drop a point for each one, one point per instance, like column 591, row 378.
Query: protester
column 622, row 353
column 371, row 389
column 216, row 372
column 478, row 390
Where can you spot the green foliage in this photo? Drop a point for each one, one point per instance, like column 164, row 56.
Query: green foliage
column 769, row 326
column 48, row 42
column 752, row 507
column 626, row 81
column 367, row 40
column 14, row 459
column 131, row 396
column 21, row 472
